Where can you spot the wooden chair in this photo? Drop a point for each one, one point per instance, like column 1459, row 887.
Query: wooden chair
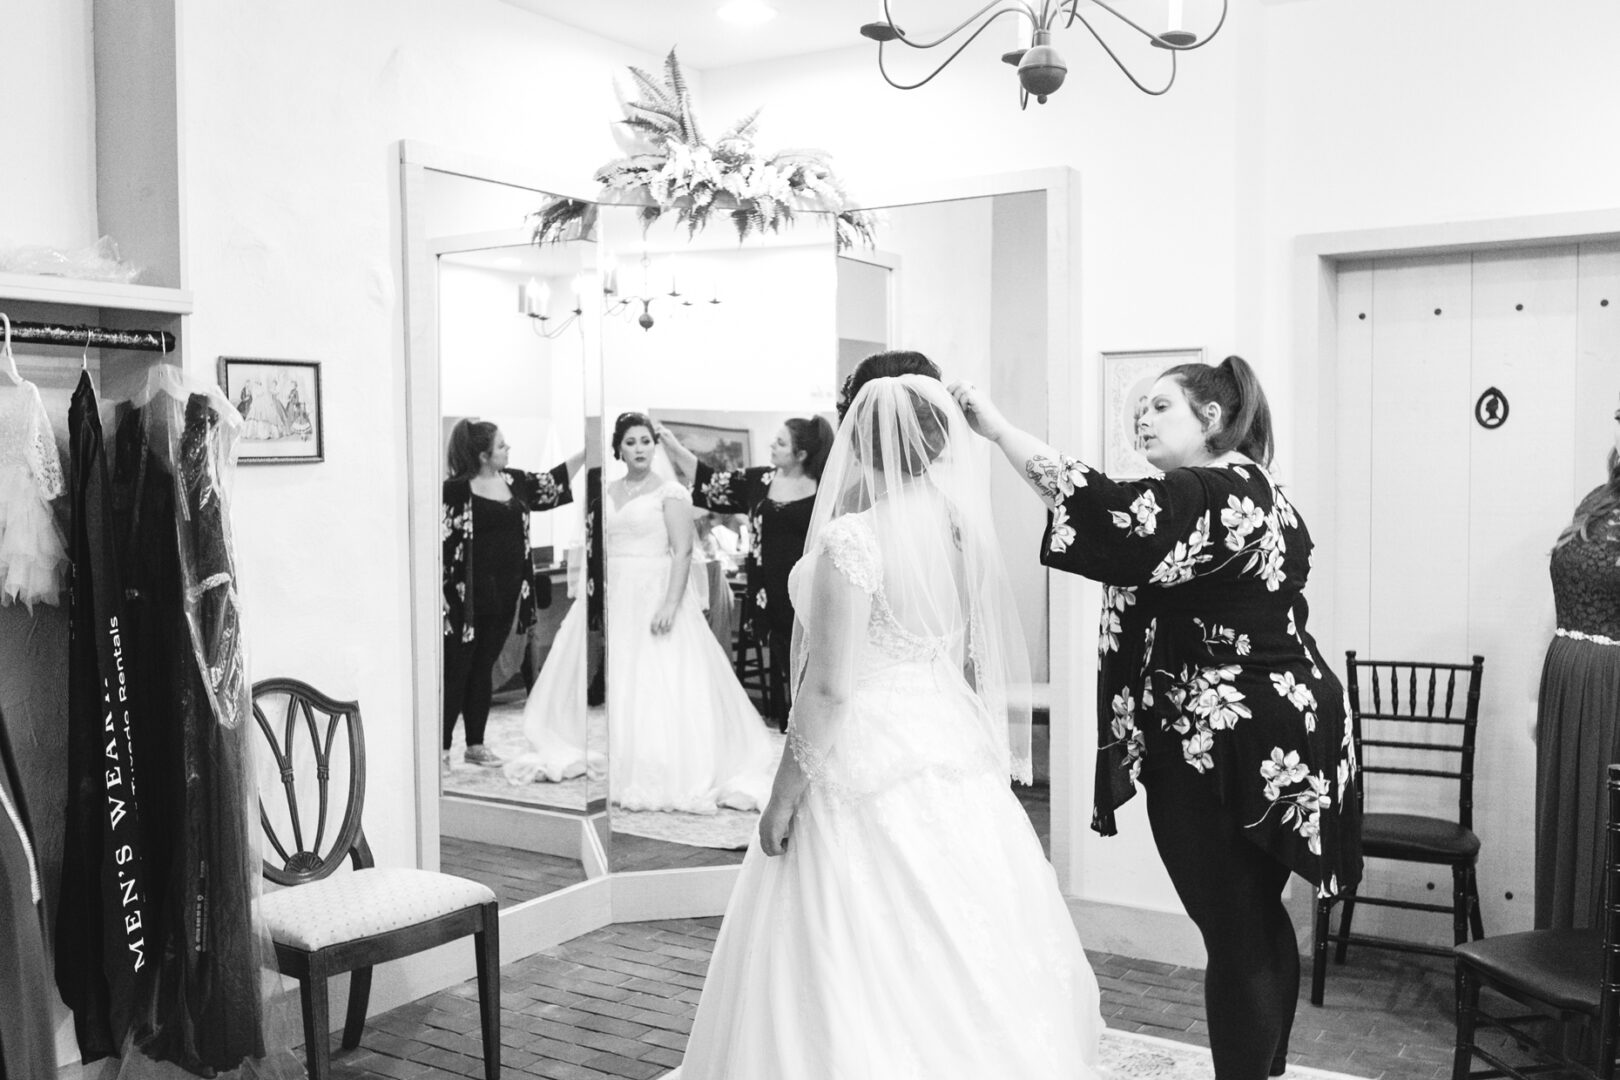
column 324, row 923
column 1570, row 975
column 1416, row 715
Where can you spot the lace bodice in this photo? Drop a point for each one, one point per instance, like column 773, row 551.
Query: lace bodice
column 637, row 528
column 853, row 548
column 1586, row 580
column 26, row 440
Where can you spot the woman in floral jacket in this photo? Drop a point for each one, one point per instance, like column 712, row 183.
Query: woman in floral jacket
column 1211, row 692
column 488, row 580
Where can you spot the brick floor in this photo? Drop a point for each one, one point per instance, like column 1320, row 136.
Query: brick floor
column 618, row 1003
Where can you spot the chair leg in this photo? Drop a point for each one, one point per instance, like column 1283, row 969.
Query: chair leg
column 1467, row 1008
column 359, row 998
column 1475, row 919
column 1324, row 915
column 1460, row 894
column 1349, row 902
column 487, row 942
column 317, row 1022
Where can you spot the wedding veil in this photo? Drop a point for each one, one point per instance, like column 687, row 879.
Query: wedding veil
column 907, row 465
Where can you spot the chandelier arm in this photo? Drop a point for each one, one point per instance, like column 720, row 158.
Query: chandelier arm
column 1074, row 13
column 884, row 71
column 1021, row 8
column 1121, row 64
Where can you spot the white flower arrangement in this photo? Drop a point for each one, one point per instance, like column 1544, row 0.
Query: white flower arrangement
column 681, row 173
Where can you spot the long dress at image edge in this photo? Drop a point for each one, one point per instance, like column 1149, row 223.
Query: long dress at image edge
column 1206, row 669
column 1576, row 728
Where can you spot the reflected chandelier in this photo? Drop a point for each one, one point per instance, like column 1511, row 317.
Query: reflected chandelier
column 1041, row 69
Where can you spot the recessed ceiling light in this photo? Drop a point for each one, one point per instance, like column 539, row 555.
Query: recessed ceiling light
column 746, row 12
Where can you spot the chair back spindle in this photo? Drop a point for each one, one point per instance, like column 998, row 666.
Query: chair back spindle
column 1609, row 999
column 1415, row 726
column 311, row 740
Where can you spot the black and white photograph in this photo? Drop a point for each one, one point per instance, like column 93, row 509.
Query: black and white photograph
column 846, row 540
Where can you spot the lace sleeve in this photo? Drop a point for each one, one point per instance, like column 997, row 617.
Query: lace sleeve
column 853, row 550
column 43, row 459
column 673, row 491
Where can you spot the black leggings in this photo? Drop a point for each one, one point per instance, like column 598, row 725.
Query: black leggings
column 1233, row 891
column 469, row 669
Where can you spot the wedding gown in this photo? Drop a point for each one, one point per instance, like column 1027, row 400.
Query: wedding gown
column 682, row 734
column 33, row 560
column 913, row 928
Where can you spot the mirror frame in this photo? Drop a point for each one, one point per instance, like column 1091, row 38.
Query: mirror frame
column 605, row 896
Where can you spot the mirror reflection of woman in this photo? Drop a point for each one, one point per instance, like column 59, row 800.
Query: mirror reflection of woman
column 682, row 734
column 777, row 499
column 1211, row 691
column 488, row 591
column 1577, row 733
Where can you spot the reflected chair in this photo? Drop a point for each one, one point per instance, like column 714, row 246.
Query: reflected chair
column 324, row 923
column 1418, row 726
column 1572, row 976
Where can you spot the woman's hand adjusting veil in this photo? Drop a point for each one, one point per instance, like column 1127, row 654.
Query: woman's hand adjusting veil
column 982, row 415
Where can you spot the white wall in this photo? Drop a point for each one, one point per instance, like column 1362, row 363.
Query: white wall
column 48, row 189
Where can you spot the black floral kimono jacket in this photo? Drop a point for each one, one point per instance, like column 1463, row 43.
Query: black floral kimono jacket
column 777, row 531
column 537, row 491
column 1206, row 672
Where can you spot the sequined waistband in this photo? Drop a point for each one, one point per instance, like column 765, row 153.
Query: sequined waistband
column 1580, row 635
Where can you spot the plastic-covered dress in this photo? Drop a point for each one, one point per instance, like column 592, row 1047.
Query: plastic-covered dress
column 33, row 562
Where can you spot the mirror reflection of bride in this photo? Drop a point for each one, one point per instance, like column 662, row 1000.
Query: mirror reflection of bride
column 682, row 734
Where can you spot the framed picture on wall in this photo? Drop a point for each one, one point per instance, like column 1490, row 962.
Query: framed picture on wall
column 1127, row 378
column 280, row 404
column 722, row 449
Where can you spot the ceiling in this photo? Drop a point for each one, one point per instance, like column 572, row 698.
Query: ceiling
column 800, row 27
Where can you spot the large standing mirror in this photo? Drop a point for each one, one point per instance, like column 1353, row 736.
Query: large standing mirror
column 512, row 344
column 640, row 717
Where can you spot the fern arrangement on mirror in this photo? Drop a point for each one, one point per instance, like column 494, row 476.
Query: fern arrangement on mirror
column 682, row 174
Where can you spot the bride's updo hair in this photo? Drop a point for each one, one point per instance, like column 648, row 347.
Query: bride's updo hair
column 626, row 421
column 888, row 365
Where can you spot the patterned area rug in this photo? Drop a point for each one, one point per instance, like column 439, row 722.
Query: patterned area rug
column 731, row 830
column 1126, row 1054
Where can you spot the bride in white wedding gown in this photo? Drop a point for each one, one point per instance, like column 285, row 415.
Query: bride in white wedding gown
column 682, row 734
column 896, row 917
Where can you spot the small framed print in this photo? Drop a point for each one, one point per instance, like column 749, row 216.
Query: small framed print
column 1127, row 378
column 283, row 422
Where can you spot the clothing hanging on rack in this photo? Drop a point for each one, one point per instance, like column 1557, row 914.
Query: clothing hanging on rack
column 191, row 718
column 27, row 1045
column 33, row 561
column 104, row 958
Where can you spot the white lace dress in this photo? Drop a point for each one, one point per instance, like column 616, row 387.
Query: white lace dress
column 682, row 734
column 913, row 928
column 33, row 563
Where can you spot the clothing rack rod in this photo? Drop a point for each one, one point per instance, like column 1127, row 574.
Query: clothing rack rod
column 33, row 333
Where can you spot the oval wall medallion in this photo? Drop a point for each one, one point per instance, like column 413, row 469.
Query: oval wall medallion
column 1491, row 410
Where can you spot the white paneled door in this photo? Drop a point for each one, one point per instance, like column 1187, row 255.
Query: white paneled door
column 1445, row 523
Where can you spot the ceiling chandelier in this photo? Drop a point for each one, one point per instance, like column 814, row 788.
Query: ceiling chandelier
column 534, row 298
column 616, row 300
column 1041, row 69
